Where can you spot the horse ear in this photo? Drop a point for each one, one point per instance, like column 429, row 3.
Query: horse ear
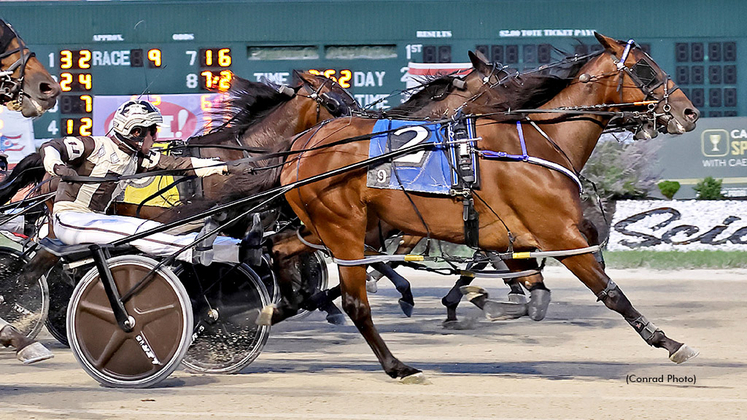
column 299, row 76
column 306, row 83
column 480, row 56
column 480, row 63
column 606, row 41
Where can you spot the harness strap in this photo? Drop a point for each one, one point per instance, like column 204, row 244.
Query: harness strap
column 502, row 274
column 545, row 254
column 309, row 244
column 379, row 258
column 624, row 56
column 489, row 154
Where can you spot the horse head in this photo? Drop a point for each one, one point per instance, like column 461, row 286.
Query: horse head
column 25, row 85
column 640, row 79
column 332, row 99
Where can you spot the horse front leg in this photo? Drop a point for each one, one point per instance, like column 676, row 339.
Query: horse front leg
column 591, row 273
column 345, row 238
column 355, row 304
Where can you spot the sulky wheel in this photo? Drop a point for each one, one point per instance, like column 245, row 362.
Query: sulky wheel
column 24, row 306
column 162, row 331
column 227, row 299
column 61, row 285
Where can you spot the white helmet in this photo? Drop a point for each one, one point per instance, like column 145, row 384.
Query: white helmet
column 133, row 114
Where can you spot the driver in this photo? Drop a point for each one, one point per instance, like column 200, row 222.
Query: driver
column 79, row 208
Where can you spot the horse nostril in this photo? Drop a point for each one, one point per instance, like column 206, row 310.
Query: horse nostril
column 49, row 90
column 692, row 114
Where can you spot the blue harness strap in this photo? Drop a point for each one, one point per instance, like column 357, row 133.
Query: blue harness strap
column 524, row 157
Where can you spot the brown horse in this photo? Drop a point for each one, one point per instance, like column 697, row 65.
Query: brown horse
column 25, row 85
column 524, row 207
column 441, row 98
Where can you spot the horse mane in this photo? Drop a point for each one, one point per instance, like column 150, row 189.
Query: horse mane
column 534, row 88
column 432, row 88
column 246, row 103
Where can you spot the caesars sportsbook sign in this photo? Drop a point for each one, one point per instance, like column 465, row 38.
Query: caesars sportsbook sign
column 717, row 147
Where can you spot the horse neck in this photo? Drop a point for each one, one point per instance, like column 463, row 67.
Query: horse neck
column 276, row 128
column 579, row 137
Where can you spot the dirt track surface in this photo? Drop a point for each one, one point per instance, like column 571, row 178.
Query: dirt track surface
column 574, row 364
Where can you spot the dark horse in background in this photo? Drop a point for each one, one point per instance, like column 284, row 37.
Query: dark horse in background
column 25, row 86
column 525, row 207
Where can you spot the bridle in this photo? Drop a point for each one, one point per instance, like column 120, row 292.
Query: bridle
column 11, row 89
column 647, row 79
column 331, row 101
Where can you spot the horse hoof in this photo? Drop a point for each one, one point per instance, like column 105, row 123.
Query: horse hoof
column 34, row 352
column 406, row 307
column 495, row 311
column 453, row 324
column 517, row 298
column 538, row 303
column 371, row 286
column 472, row 292
column 683, row 354
column 265, row 317
column 336, row 319
column 415, row 378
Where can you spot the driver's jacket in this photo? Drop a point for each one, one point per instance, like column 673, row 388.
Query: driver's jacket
column 100, row 156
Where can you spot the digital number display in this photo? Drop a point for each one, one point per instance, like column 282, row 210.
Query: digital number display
column 85, row 59
column 82, row 104
column 215, row 57
column 154, row 58
column 215, row 80
column 342, row 77
column 75, row 60
column 76, row 82
column 76, row 126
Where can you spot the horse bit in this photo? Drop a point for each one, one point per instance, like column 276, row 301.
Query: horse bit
column 12, row 89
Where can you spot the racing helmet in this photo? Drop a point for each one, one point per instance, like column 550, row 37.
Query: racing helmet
column 133, row 114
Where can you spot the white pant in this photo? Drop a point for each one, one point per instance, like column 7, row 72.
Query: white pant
column 74, row 228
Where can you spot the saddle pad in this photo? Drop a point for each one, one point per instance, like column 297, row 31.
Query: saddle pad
column 425, row 171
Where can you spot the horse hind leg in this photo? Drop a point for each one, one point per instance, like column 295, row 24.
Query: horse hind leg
column 406, row 302
column 589, row 271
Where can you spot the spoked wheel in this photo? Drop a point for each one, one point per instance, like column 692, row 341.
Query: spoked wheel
column 61, row 285
column 313, row 274
column 24, row 306
column 163, row 320
column 227, row 300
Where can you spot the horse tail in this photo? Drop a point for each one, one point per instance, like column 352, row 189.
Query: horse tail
column 30, row 170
